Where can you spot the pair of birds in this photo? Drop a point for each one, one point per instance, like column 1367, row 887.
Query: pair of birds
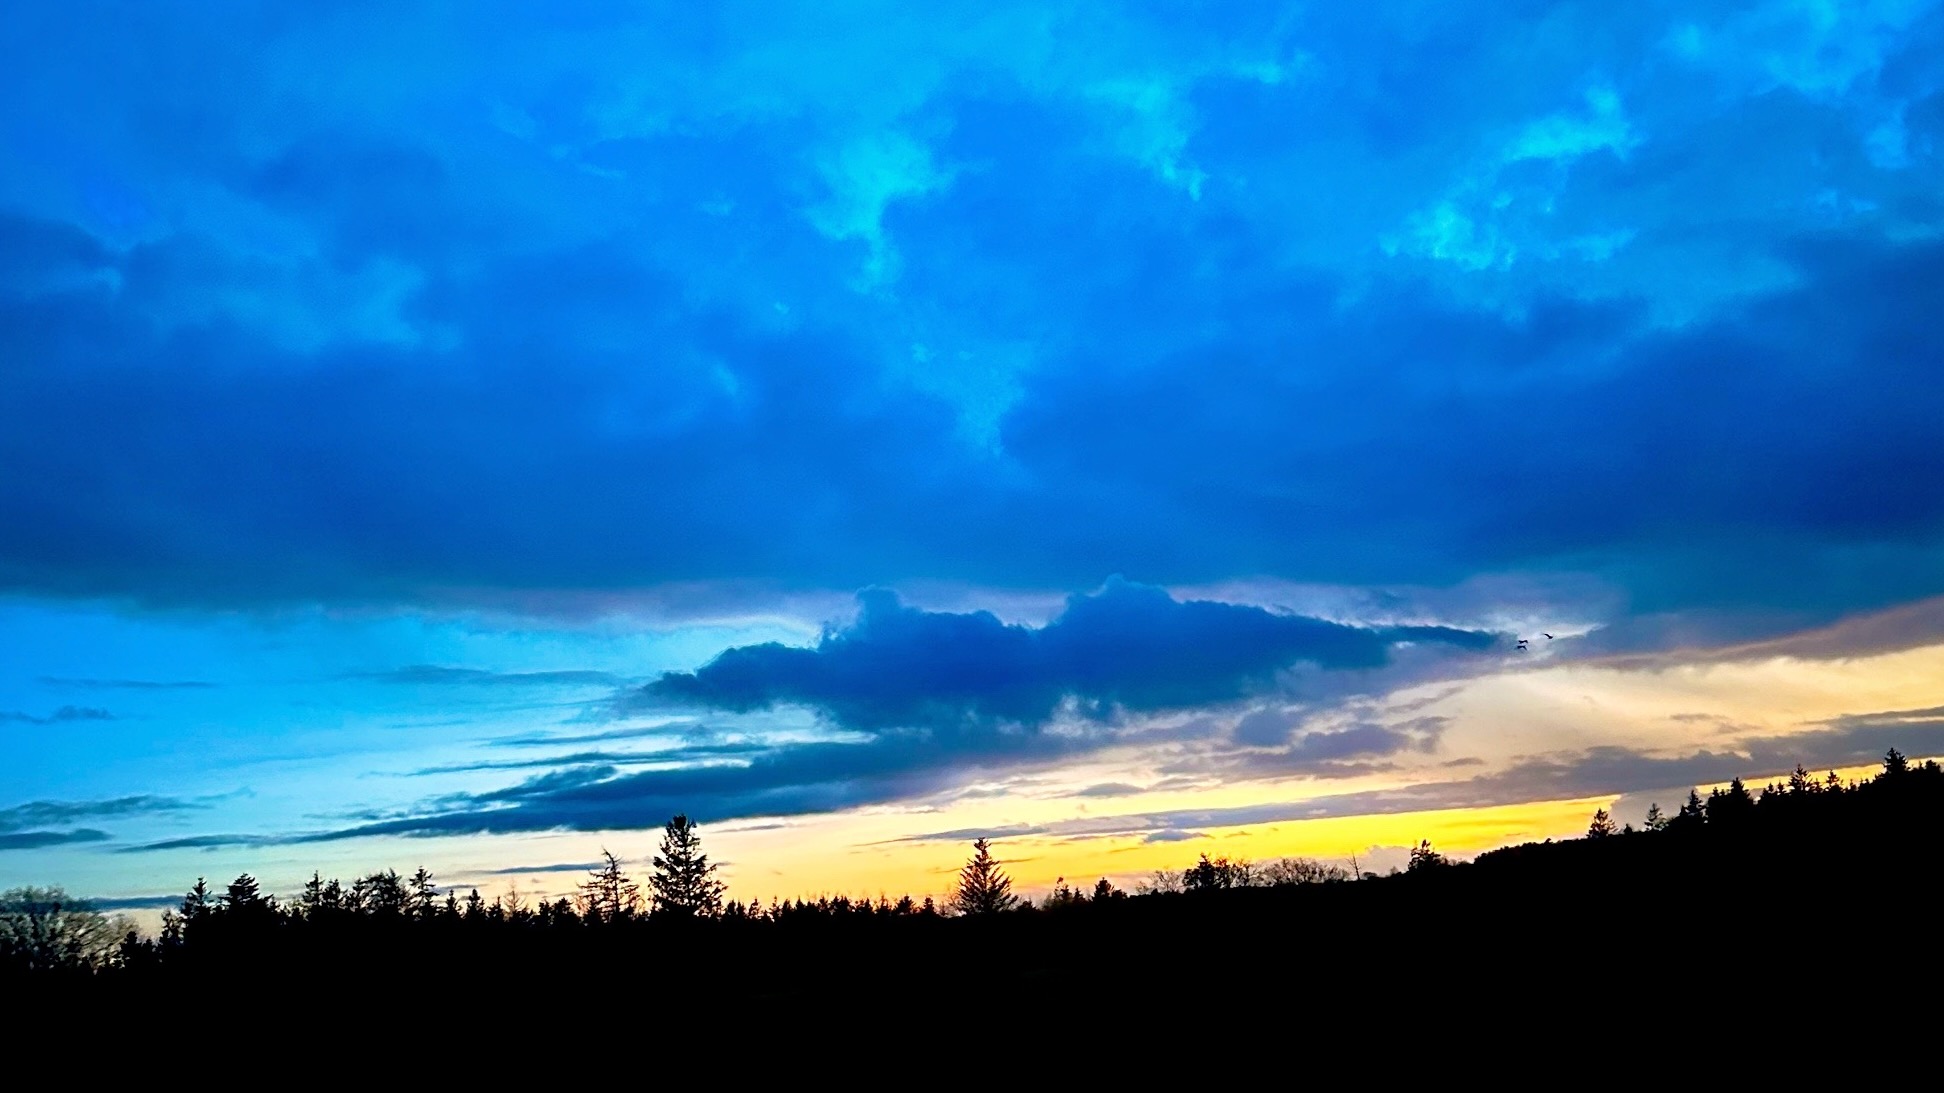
column 1525, row 646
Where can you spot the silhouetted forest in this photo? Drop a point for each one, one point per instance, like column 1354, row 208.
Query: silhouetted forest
column 1812, row 877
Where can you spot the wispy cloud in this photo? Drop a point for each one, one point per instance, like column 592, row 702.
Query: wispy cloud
column 804, row 779
column 687, row 753
column 421, row 675
column 556, row 867
column 135, row 903
column 126, row 684
column 1173, row 836
column 544, row 739
column 207, row 842
column 1590, row 772
column 1108, row 789
column 63, row 715
column 36, row 840
column 59, row 812
column 33, row 825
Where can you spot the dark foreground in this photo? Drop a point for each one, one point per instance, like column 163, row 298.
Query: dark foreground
column 1796, row 914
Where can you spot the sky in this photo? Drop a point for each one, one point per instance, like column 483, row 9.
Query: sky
column 465, row 435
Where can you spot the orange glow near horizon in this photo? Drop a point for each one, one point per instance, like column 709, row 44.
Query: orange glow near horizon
column 816, row 858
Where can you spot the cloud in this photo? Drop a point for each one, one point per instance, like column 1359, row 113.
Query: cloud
column 59, row 812
column 205, row 842
column 62, row 715
column 1857, row 738
column 1601, row 127
column 36, row 840
column 33, row 825
column 811, row 778
column 1276, row 743
column 520, row 272
column 135, row 903
column 1591, row 772
column 1857, row 635
column 1359, row 740
column 1804, row 494
column 662, row 730
column 1616, row 770
column 1173, row 836
column 557, row 867
column 1126, row 649
column 973, row 834
column 864, row 178
column 1108, row 789
column 686, row 753
column 435, row 675
column 788, row 780
column 889, row 761
column 126, row 684
column 932, row 699
column 1263, row 728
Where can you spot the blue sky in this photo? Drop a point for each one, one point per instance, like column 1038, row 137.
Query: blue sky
column 461, row 431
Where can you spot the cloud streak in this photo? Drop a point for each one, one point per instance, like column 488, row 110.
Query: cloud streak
column 40, row 840
column 423, row 675
column 828, row 777
column 207, row 842
column 34, row 825
column 1592, row 772
column 63, row 715
column 59, row 812
column 127, row 684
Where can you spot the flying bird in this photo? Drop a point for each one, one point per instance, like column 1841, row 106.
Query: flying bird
column 1548, row 637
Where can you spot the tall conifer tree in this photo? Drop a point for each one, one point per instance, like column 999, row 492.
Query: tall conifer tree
column 983, row 887
column 684, row 882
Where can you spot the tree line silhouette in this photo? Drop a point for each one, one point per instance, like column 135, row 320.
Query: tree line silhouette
column 1805, row 863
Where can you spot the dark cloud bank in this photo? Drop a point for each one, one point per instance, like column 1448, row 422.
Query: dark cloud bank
column 938, row 695
column 1774, row 456
column 1127, row 648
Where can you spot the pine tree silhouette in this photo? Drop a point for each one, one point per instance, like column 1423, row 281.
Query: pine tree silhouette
column 983, row 887
column 684, row 882
column 424, row 892
column 242, row 895
column 1693, row 814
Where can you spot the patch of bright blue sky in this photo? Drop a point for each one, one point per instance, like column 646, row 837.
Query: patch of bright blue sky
column 280, row 725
